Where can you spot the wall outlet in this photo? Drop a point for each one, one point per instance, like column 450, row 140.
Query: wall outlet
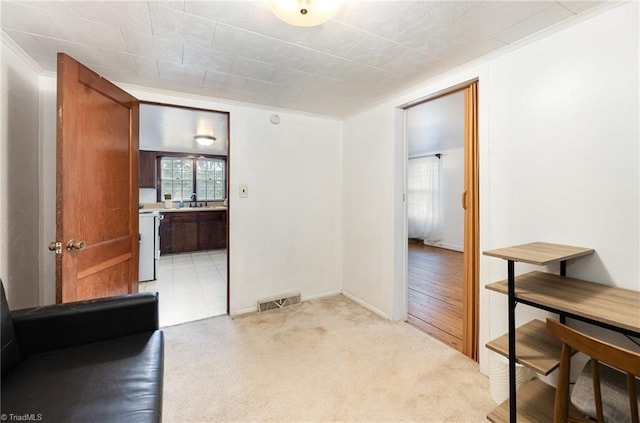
column 244, row 191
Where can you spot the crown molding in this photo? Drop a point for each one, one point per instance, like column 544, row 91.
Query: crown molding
column 8, row 42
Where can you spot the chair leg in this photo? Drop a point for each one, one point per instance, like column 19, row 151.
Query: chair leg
column 561, row 407
column 595, row 372
column 633, row 397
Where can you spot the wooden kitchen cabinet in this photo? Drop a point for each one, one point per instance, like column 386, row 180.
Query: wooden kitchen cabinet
column 185, row 232
column 147, row 169
column 192, row 231
column 212, row 230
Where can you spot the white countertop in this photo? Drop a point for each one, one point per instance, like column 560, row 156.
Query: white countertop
column 184, row 209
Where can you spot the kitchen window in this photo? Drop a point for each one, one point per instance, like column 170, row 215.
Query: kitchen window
column 183, row 176
column 210, row 181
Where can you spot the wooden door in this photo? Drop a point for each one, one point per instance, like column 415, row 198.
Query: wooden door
column 471, row 205
column 96, row 186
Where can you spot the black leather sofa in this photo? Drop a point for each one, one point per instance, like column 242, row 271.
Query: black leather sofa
column 90, row 361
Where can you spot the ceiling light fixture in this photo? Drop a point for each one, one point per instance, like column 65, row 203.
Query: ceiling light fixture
column 304, row 12
column 204, row 140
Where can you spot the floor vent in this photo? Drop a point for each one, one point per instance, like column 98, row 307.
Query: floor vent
column 278, row 302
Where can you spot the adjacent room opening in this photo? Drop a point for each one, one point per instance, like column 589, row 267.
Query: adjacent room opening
column 184, row 168
column 442, row 216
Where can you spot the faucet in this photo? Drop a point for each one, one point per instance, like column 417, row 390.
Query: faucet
column 194, row 199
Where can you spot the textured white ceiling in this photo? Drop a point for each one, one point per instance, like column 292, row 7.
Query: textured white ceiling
column 238, row 50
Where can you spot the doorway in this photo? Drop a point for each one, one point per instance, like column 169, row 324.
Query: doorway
column 186, row 182
column 441, row 217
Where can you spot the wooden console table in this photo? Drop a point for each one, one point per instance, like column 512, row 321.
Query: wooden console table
column 530, row 345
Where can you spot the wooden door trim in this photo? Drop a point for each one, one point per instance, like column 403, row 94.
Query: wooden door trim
column 470, row 318
column 470, row 301
column 442, row 93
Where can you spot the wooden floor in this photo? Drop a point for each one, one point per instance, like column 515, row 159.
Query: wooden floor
column 435, row 284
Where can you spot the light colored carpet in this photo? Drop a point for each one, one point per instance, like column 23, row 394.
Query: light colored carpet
column 323, row 360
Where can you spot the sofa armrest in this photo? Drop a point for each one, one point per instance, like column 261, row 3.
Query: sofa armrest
column 57, row 326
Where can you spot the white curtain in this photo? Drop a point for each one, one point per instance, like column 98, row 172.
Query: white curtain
column 423, row 198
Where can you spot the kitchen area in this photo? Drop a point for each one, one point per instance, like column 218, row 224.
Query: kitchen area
column 184, row 211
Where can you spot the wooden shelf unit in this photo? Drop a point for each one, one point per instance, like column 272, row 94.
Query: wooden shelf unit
column 530, row 345
column 603, row 305
column 535, row 404
column 539, row 253
column 534, row 348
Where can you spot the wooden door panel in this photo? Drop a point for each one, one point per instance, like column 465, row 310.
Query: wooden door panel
column 97, row 257
column 104, row 164
column 96, row 185
column 471, row 224
column 105, row 283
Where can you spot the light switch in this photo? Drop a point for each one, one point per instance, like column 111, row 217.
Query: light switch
column 244, row 191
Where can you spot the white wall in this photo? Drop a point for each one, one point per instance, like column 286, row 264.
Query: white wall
column 286, row 236
column 452, row 186
column 559, row 162
column 367, row 215
column 565, row 144
column 19, row 177
column 47, row 164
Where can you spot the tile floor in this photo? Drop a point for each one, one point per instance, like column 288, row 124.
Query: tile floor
column 192, row 286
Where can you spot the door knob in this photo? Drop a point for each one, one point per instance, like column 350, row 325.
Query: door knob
column 73, row 245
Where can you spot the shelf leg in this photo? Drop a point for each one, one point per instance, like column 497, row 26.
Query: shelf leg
column 512, row 341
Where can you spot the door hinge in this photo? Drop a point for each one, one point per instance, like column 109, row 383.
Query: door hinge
column 56, row 246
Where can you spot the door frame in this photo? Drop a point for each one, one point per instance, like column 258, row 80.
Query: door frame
column 228, row 184
column 471, row 203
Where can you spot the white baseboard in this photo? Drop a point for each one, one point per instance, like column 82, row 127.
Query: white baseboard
column 321, row 295
column 445, row 246
column 243, row 311
column 366, row 305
